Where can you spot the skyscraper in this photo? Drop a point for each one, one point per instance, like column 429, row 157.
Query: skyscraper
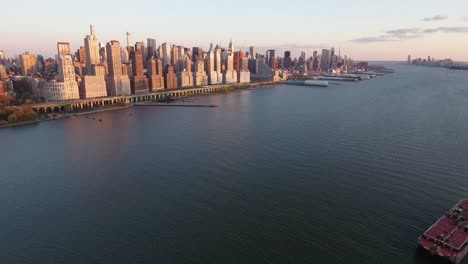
column 238, row 57
column 184, row 72
column 128, row 39
column 66, row 87
column 174, row 54
column 287, row 61
column 152, row 48
column 2, row 55
column 92, row 50
column 93, row 84
column 63, row 49
column 166, row 53
column 302, row 58
column 315, row 62
column 213, row 62
column 199, row 75
column 170, row 79
column 117, row 79
column 227, row 57
column 326, row 60
column 271, row 59
column 253, row 55
column 138, row 82
column 155, row 74
column 197, row 53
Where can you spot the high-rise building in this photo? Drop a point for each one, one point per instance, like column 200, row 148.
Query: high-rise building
column 199, row 76
column 213, row 65
column 2, row 55
column 118, row 82
column 252, row 53
column 125, row 57
column 181, row 52
column 271, row 59
column 166, row 53
column 152, row 48
column 302, row 58
column 315, row 62
column 128, row 39
column 138, row 82
column 65, row 87
column 287, row 60
column 243, row 74
column 238, row 57
column 63, row 48
column 253, row 66
column 326, row 60
column 81, row 55
column 28, row 63
column 155, row 75
column 227, row 57
column 409, row 58
column 218, row 65
column 197, row 53
column 184, row 72
column 93, row 84
column 170, row 79
column 174, row 54
column 92, row 50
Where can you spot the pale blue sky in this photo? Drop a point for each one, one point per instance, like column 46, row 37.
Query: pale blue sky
column 37, row 25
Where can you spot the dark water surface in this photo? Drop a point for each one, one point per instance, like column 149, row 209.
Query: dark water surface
column 353, row 173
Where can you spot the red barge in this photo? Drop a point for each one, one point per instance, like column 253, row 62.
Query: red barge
column 448, row 237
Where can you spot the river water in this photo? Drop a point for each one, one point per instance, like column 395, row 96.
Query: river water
column 353, row 173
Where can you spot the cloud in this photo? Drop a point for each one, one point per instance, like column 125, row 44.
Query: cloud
column 409, row 33
column 403, row 31
column 435, row 18
column 372, row 40
column 447, row 30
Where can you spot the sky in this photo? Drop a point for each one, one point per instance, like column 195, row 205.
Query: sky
column 361, row 29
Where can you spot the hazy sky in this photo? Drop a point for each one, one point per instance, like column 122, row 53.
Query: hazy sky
column 363, row 29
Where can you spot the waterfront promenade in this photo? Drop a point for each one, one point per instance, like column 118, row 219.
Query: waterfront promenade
column 78, row 105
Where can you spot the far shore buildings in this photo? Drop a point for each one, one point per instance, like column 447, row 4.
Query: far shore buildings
column 97, row 70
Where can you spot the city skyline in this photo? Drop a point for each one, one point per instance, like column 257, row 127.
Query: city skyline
column 362, row 29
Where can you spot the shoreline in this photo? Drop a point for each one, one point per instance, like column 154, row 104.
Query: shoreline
column 228, row 89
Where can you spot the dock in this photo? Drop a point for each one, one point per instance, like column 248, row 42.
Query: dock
column 336, row 78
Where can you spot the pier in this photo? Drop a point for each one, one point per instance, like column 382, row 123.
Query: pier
column 308, row 83
column 174, row 105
